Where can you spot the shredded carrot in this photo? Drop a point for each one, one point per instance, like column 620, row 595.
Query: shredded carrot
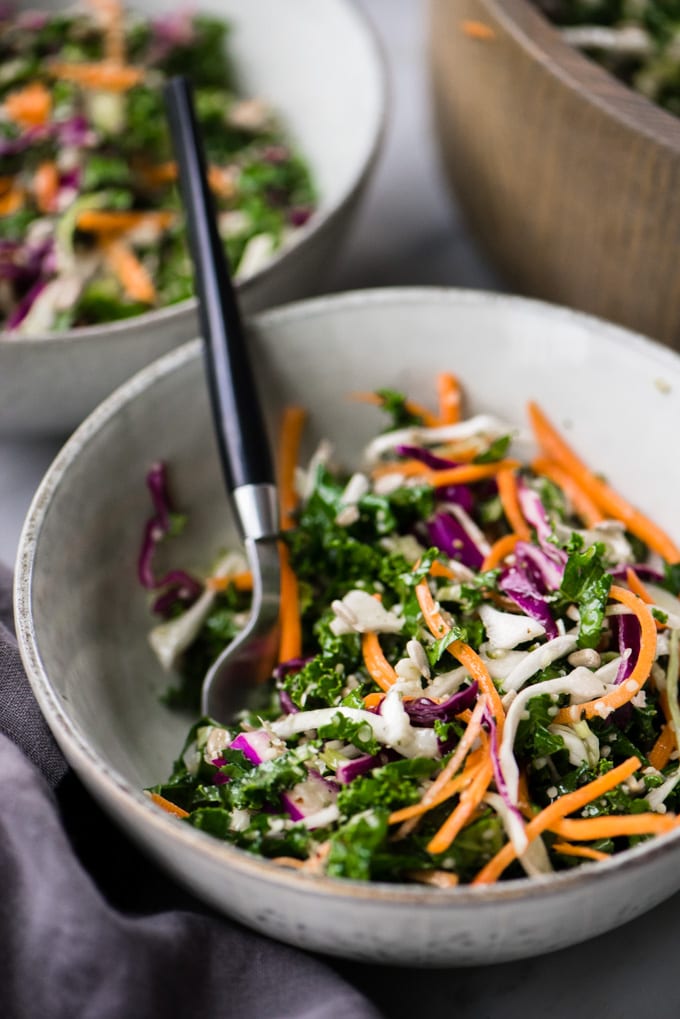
column 409, row 468
column 46, row 185
column 379, row 669
column 499, row 550
column 507, row 490
column 372, row 700
column 161, row 173
column 101, row 221
column 470, row 798
column 555, row 448
column 448, row 393
column 429, row 419
column 463, row 652
column 11, row 200
column 6, row 184
column 579, row 499
column 585, row 851
column 477, row 30
column 624, row 692
column 438, row 791
column 446, row 791
column 132, row 275
column 109, row 76
column 558, row 809
column 613, row 825
column 29, row 106
column 441, row 570
column 660, row 754
column 638, row 588
column 467, row 473
column 240, row 581
column 168, row 805
column 114, row 29
column 289, row 445
column 222, row 181
column 289, row 620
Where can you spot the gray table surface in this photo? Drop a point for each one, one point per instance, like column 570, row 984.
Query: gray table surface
column 409, row 231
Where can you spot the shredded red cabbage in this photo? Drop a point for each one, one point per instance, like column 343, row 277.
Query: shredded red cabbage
column 424, row 712
column 518, row 586
column 449, row 535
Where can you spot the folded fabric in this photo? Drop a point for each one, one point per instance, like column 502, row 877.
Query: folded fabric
column 67, row 952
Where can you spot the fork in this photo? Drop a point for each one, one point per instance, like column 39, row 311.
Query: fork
column 233, row 679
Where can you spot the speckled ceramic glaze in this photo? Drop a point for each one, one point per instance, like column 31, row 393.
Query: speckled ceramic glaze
column 335, row 115
column 82, row 618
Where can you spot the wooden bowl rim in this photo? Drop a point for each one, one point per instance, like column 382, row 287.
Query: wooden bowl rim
column 532, row 31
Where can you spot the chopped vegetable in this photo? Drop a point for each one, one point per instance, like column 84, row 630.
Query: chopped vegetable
column 499, row 704
column 84, row 163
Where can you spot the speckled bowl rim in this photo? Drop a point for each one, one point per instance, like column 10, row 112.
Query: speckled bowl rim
column 319, row 224
column 131, row 801
column 620, row 102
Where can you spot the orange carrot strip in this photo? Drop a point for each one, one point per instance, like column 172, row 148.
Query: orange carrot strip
column 579, row 499
column 241, row 581
column 291, row 435
column 222, row 181
column 558, row 809
column 585, row 851
column 446, row 791
column 507, row 490
column 108, row 75
column 613, row 825
column 46, row 185
column 11, row 201
column 467, row 473
column 161, row 173
column 132, row 275
column 660, row 754
column 554, row 446
column 114, row 31
column 168, row 805
column 441, row 570
column 499, row 550
column 432, row 795
column 638, row 588
column 463, row 652
column 289, row 445
column 477, row 30
column 429, row 419
column 625, row 691
column 29, row 106
column 470, row 798
column 379, row 669
column 409, row 468
column 448, row 392
column 371, row 700
column 115, row 221
column 289, row 619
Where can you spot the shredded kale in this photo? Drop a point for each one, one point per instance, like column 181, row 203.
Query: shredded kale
column 393, row 786
column 354, row 845
column 587, row 583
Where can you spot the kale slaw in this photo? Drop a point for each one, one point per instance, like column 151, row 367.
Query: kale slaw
column 479, row 662
column 636, row 40
column 90, row 224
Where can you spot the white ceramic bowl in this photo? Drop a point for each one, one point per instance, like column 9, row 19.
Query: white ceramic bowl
column 317, row 62
column 83, row 621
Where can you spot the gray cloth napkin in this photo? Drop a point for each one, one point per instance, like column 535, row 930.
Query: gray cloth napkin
column 90, row 930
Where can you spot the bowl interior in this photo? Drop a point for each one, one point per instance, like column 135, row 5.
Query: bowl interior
column 615, row 395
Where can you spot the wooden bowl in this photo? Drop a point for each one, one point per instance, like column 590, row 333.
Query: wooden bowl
column 570, row 180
